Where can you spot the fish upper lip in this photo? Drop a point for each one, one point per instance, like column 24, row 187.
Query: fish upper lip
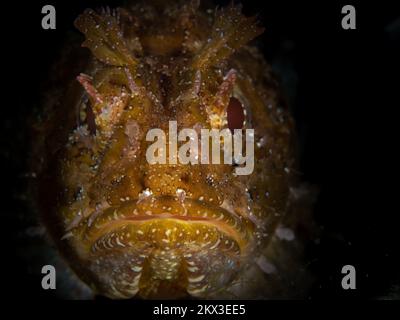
column 191, row 210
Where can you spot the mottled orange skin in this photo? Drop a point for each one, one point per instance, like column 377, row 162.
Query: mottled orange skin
column 129, row 228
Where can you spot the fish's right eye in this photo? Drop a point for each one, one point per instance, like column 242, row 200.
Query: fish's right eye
column 235, row 114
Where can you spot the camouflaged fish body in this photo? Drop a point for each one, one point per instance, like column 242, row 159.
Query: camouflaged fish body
column 132, row 229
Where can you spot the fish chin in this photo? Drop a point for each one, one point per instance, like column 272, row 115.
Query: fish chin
column 164, row 248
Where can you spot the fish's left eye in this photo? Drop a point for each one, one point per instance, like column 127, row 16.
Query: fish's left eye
column 235, row 114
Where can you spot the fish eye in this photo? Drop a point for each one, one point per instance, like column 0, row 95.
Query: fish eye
column 235, row 114
column 90, row 119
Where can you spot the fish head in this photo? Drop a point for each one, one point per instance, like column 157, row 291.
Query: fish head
column 137, row 211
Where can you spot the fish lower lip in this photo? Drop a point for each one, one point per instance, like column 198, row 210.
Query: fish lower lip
column 168, row 208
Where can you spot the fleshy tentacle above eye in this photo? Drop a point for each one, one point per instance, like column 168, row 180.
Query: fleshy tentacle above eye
column 104, row 38
column 231, row 31
column 217, row 108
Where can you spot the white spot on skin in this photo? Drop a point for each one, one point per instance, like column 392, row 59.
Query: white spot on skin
column 181, row 194
column 144, row 194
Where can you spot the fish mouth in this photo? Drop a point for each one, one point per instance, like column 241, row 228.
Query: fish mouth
column 161, row 246
column 168, row 208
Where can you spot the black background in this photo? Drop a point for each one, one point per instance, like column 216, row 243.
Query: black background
column 343, row 86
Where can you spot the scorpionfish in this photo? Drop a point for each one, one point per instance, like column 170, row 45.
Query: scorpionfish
column 129, row 228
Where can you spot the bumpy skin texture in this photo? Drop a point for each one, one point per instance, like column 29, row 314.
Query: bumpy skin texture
column 131, row 229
